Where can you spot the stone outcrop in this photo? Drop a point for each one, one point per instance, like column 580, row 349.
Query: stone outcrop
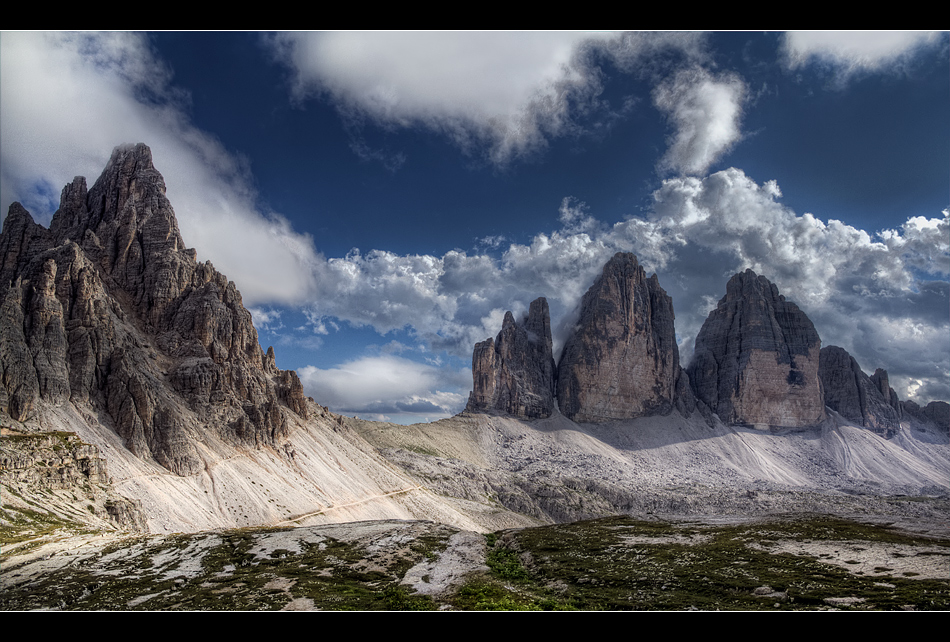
column 109, row 308
column 758, row 361
column 870, row 400
column 856, row 396
column 622, row 361
column 882, row 382
column 44, row 463
column 515, row 373
column 57, row 460
column 936, row 413
column 756, row 358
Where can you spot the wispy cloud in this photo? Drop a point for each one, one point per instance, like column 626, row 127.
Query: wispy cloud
column 501, row 94
column 387, row 387
column 851, row 52
column 705, row 111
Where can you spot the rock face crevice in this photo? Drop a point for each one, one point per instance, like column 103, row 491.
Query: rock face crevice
column 108, row 307
column 515, row 373
column 622, row 361
column 756, row 358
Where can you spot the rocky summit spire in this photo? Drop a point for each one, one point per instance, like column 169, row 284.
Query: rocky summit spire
column 622, row 361
column 856, row 396
column 756, row 358
column 515, row 372
column 108, row 309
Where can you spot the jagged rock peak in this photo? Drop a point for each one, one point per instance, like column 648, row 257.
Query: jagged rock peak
column 756, row 358
column 622, row 360
column 936, row 413
column 127, row 227
column 21, row 239
column 515, row 373
column 854, row 395
column 108, row 308
column 128, row 192
column 882, row 382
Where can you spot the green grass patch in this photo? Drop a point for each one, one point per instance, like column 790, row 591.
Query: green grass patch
column 622, row 564
column 609, row 564
column 420, row 450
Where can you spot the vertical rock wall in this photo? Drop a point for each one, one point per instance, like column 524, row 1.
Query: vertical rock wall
column 515, row 373
column 622, row 361
column 756, row 358
column 853, row 394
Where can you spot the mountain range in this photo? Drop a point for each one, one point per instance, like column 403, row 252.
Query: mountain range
column 135, row 396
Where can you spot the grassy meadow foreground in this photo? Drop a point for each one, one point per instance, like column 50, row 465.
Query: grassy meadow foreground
column 618, row 563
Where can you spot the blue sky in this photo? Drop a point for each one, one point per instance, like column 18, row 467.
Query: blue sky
column 381, row 199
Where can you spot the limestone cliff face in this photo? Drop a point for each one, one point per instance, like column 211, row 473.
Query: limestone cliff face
column 515, row 373
column 109, row 308
column 756, row 358
column 622, row 360
column 854, row 395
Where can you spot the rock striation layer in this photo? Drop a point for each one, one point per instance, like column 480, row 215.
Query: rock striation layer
column 756, row 358
column 856, row 396
column 515, row 373
column 622, row 360
column 109, row 308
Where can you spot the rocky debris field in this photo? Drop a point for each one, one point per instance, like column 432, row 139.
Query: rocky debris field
column 554, row 470
column 811, row 562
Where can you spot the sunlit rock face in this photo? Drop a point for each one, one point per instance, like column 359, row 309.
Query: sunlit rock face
column 621, row 362
column 756, row 358
column 109, row 309
column 515, row 372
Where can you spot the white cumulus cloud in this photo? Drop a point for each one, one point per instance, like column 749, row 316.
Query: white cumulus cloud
column 856, row 287
column 705, row 111
column 387, row 387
